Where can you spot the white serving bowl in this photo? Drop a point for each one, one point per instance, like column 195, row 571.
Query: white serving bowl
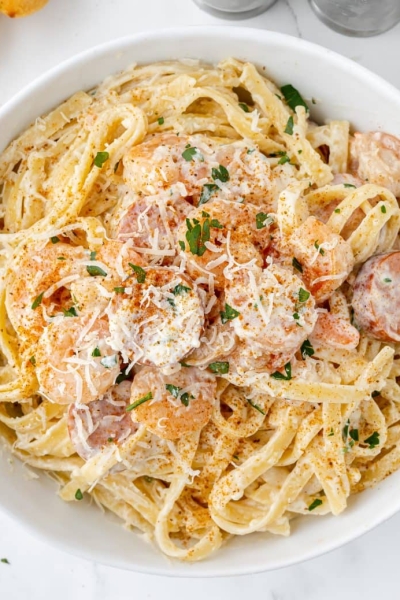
column 343, row 90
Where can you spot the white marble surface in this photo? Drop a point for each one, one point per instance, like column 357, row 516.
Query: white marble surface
column 366, row 568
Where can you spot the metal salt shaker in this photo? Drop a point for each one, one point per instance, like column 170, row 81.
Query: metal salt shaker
column 235, row 9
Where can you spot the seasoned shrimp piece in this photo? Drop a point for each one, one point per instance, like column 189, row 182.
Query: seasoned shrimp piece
column 375, row 157
column 115, row 258
column 173, row 405
column 74, row 362
column 376, row 297
column 246, row 357
column 272, row 312
column 102, row 422
column 158, row 319
column 195, row 161
column 221, row 235
column 151, row 222
column 325, row 257
column 335, row 331
column 39, row 282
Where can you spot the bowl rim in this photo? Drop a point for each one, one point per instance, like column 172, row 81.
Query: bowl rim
column 187, row 32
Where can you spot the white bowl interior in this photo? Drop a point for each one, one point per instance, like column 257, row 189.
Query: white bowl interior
column 343, row 90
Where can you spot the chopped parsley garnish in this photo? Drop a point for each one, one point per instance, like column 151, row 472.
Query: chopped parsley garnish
column 205, row 214
column 306, row 349
column 346, row 430
column 93, row 255
column 354, row 435
column 207, row 191
column 160, row 121
column 235, row 456
column 228, row 314
column 139, row 272
column 260, row 410
column 109, row 362
column 299, row 151
column 183, row 364
column 296, row 316
column 244, row 106
column 110, row 440
column 100, row 159
column 171, row 301
column 331, row 433
column 182, row 245
column 96, row 271
column 284, row 159
column 297, row 265
column 288, row 371
column 145, row 398
column 263, row 219
column 96, row 352
column 175, row 391
column 387, row 280
column 78, row 494
column 148, row 479
column 383, row 208
column 317, row 502
column 191, row 153
column 219, row 367
column 289, row 126
column 293, row 97
column 220, row 174
column 372, row 440
column 32, row 360
column 123, row 376
column 337, row 210
column 303, row 295
column 216, row 224
column 181, row 289
column 349, row 185
column 54, row 239
column 71, row 312
column 318, row 247
column 37, row 301
column 251, row 150
column 5, row 561
column 61, row 258
column 119, row 290
column 197, row 235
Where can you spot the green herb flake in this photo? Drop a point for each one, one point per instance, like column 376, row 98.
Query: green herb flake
column 181, row 289
column 182, row 245
column 190, row 153
column 296, row 316
column 221, row 174
column 251, row 150
column 345, row 433
column 96, row 271
column 306, row 349
column 5, row 561
column 123, row 376
column 387, row 280
column 96, row 352
column 299, row 151
column 93, row 255
column 262, row 220
column 71, row 312
column 61, row 258
column 100, row 159
column 383, row 209
column 145, row 398
column 318, row 247
column 221, row 368
column 303, row 295
column 228, row 314
column 183, row 364
column 337, row 210
column 293, row 97
column 139, row 272
column 54, row 239
column 331, row 432
column 235, row 456
column 37, row 301
column 197, row 235
column 288, row 371
column 216, row 224
column 313, row 505
column 110, row 440
column 207, row 191
column 354, row 435
column 289, row 126
column 119, row 290
column 32, row 360
column 349, row 185
column 148, row 479
column 175, row 391
column 78, row 494
column 244, row 107
column 260, row 410
column 160, row 121
column 284, row 159
column 372, row 440
column 297, row 265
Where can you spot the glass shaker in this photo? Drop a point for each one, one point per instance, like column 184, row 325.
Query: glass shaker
column 235, row 9
column 358, row 17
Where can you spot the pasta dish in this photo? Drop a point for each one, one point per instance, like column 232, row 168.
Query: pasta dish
column 198, row 303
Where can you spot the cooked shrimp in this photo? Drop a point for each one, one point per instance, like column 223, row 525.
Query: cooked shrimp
column 221, row 235
column 37, row 283
column 334, row 331
column 157, row 319
column 173, row 405
column 375, row 157
column 74, row 362
column 117, row 257
column 326, row 259
column 102, row 422
column 195, row 161
column 273, row 313
column 376, row 297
